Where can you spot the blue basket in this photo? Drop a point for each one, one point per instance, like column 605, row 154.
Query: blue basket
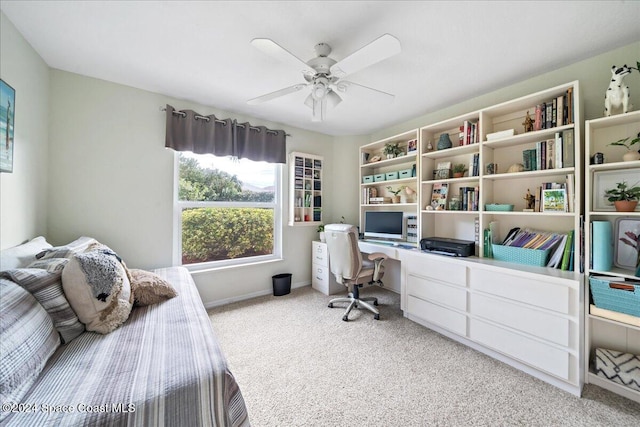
column 622, row 301
column 536, row 257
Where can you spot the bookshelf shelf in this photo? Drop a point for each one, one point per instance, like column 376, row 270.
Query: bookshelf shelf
column 305, row 192
column 404, row 167
column 454, row 296
column 601, row 332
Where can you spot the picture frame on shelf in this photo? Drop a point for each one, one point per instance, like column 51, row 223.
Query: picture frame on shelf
column 604, row 180
column 627, row 233
column 412, row 146
column 439, row 195
column 443, row 170
column 554, row 200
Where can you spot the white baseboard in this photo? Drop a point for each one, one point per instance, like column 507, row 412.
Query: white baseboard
column 218, row 303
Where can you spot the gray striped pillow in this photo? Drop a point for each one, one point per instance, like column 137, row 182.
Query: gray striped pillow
column 28, row 340
column 45, row 284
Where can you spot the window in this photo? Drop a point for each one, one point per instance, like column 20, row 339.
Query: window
column 227, row 211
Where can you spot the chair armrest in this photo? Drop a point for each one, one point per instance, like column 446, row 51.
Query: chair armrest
column 377, row 255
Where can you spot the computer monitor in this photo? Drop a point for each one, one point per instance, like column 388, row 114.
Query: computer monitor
column 383, row 225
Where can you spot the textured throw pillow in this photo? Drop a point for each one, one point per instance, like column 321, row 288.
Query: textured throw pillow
column 98, row 289
column 44, row 283
column 21, row 255
column 148, row 288
column 67, row 251
column 28, row 340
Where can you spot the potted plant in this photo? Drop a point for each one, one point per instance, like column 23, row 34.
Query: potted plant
column 459, row 169
column 624, row 198
column 396, row 194
column 392, row 150
column 631, row 153
column 320, row 230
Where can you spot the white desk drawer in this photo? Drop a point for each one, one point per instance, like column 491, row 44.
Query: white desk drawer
column 535, row 322
column 527, row 350
column 431, row 290
column 320, row 254
column 436, row 267
column 536, row 292
column 448, row 319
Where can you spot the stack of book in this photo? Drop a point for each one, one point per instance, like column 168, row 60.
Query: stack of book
column 554, row 112
column 469, row 133
column 469, row 198
column 552, row 153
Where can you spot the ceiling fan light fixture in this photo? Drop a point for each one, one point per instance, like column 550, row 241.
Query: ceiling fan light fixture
column 333, row 99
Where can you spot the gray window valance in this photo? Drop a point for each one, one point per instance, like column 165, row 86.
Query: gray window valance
column 190, row 131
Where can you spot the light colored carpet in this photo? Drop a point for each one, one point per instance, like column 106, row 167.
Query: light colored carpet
column 299, row 364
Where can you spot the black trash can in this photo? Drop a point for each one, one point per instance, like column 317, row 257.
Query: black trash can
column 281, row 284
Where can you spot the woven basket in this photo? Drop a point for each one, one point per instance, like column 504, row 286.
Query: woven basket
column 622, row 301
column 535, row 257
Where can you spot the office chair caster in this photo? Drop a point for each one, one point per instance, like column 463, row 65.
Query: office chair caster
column 345, row 318
column 376, row 316
column 330, row 305
column 375, row 302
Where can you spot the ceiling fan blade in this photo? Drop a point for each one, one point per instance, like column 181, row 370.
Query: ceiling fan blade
column 276, row 94
column 379, row 49
column 274, row 50
column 363, row 92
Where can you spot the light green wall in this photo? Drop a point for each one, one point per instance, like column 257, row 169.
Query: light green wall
column 112, row 179
column 594, row 75
column 23, row 193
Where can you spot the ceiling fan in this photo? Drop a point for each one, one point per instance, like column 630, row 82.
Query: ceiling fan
column 323, row 74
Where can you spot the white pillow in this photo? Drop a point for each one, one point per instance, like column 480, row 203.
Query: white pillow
column 22, row 255
column 98, row 289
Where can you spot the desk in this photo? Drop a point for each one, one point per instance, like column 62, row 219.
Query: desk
column 529, row 318
column 392, row 266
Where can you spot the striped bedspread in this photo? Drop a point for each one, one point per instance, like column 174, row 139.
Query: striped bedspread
column 163, row 367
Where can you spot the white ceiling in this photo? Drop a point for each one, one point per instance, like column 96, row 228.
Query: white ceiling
column 200, row 50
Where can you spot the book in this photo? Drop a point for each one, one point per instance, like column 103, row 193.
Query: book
column 501, row 134
column 560, row 111
column 439, row 195
column 559, row 151
column 568, row 149
column 549, row 116
column 570, row 106
column 570, row 186
column 550, row 154
column 567, row 251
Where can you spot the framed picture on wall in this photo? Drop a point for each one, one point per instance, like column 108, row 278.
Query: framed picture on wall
column 7, row 120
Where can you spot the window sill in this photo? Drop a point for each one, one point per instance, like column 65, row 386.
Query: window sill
column 208, row 268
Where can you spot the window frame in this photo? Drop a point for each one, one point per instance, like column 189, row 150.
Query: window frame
column 179, row 205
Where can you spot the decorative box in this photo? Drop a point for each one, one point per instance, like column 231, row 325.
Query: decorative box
column 392, row 175
column 367, row 178
column 379, row 177
column 405, row 173
column 498, row 207
column 535, row 257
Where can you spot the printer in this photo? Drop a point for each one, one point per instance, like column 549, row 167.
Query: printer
column 448, row 246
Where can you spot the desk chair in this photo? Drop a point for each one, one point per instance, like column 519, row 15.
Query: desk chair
column 350, row 269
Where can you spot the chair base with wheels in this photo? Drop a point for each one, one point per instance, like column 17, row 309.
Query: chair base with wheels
column 350, row 269
column 354, row 300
